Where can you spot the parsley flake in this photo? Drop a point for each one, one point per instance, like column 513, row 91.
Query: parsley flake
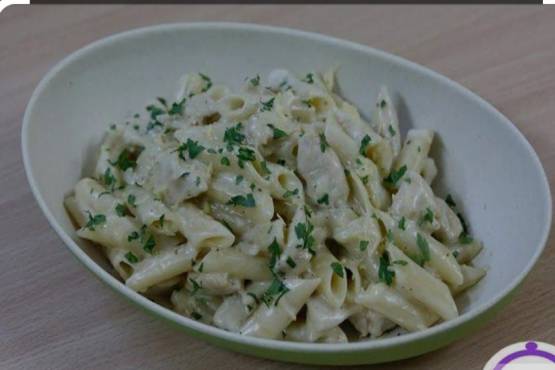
column 364, row 144
column 395, row 176
column 337, row 269
column 243, row 201
column 323, row 143
column 131, row 257
column 422, row 244
column 267, row 105
column 402, row 222
column 276, row 290
column 95, row 220
column 325, row 199
column 277, row 133
column 384, row 273
column 363, row 245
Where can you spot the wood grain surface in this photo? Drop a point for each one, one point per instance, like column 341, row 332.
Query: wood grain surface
column 56, row 315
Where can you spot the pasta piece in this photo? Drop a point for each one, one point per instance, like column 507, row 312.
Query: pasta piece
column 386, row 121
column 236, row 264
column 430, row 251
column 385, row 300
column 201, row 230
column 421, row 285
column 162, row 266
column 333, row 277
column 231, row 314
column 415, row 150
column 321, row 169
column 215, row 283
column 268, row 321
column 472, row 275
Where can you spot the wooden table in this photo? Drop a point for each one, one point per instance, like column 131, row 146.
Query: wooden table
column 55, row 315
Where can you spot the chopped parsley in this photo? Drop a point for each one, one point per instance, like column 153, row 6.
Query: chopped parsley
column 225, row 161
column 277, row 133
column 121, row 210
column 337, row 269
column 201, row 267
column 276, row 290
column 267, row 105
column 323, row 143
column 400, row 262
column 133, row 236
column 197, row 181
column 364, row 179
column 125, row 160
column 243, row 201
column 382, row 103
column 154, row 112
column 108, row 179
column 309, row 78
column 207, row 80
column 95, row 220
column 364, row 144
column 196, row 286
column 149, row 244
column 161, row 221
column 464, row 238
column 303, row 232
column 389, row 236
column 307, row 103
column 131, row 257
column 275, row 252
column 264, row 166
column 233, row 136
column 290, row 193
column 245, row 154
column 196, row 316
column 391, row 130
column 255, row 81
column 401, row 223
column 192, row 147
column 384, row 273
column 238, row 179
column 427, row 217
column 395, row 176
column 424, row 249
column 176, row 108
column 325, row 199
column 363, row 245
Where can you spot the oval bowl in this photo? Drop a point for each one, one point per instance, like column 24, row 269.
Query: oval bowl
column 483, row 160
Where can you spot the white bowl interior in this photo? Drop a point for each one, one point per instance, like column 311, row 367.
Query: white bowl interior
column 483, row 160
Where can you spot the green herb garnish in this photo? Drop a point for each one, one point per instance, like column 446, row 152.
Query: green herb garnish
column 337, row 269
column 325, row 199
column 384, row 273
column 243, row 201
column 364, row 144
column 363, row 245
column 395, row 176
column 323, row 143
column 131, row 257
column 277, row 133
column 95, row 220
column 267, row 105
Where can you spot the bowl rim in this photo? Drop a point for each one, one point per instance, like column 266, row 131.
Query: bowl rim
column 273, row 344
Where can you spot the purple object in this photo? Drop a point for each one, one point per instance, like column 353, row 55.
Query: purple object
column 531, row 349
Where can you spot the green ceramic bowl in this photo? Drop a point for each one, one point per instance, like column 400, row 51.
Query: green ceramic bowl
column 482, row 157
